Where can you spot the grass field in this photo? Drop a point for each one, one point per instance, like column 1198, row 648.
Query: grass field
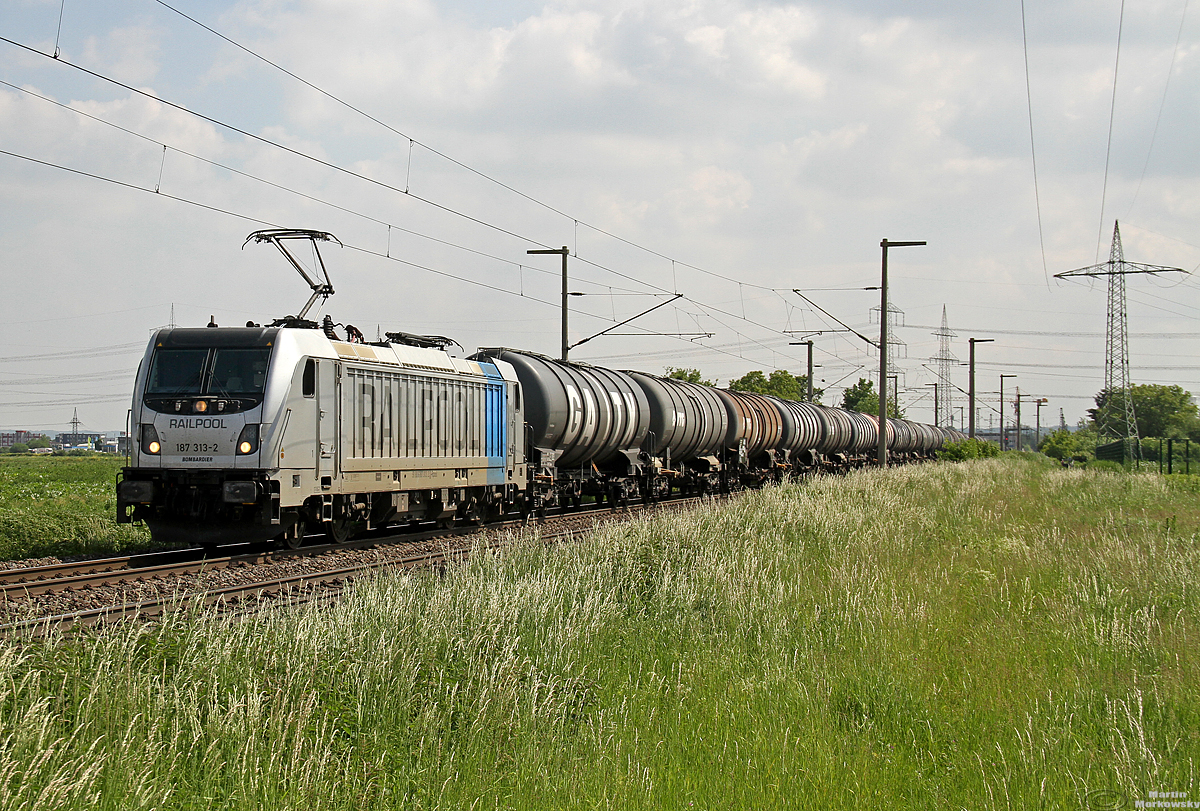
column 998, row 634
column 62, row 506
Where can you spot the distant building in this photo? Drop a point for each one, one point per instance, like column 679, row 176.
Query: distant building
column 82, row 439
column 118, row 444
column 10, row 438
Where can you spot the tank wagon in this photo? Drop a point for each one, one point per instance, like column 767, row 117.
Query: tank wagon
column 256, row 433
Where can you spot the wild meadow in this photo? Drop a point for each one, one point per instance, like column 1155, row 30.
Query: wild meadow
column 995, row 634
column 62, row 506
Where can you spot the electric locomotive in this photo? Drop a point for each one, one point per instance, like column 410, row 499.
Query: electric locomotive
column 253, row 433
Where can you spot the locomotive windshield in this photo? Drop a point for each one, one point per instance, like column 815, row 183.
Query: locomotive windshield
column 224, row 371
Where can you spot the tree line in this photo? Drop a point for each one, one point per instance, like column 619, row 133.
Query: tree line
column 1162, row 412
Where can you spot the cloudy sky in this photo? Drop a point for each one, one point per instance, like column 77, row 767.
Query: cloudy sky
column 726, row 150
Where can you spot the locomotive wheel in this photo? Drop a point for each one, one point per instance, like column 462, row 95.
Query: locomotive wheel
column 340, row 529
column 472, row 515
column 294, row 537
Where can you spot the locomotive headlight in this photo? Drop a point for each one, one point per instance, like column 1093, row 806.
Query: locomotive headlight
column 248, row 439
column 200, row 406
column 150, row 443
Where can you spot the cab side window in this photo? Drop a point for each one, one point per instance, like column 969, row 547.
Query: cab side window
column 309, row 385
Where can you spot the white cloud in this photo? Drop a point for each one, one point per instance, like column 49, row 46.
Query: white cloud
column 129, row 53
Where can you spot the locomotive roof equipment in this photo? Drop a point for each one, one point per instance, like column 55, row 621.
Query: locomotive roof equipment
column 276, row 236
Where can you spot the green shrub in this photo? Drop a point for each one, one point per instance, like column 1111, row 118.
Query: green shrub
column 1105, row 464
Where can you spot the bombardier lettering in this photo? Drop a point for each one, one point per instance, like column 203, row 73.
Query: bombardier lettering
column 197, row 423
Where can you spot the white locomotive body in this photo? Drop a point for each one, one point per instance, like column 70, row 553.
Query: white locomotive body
column 256, row 433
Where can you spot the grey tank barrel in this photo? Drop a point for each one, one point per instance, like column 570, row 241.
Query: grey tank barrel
column 590, row 414
column 688, row 419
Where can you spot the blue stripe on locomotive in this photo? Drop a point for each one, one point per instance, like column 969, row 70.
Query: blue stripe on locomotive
column 496, row 424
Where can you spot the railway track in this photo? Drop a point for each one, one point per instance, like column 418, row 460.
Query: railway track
column 162, row 580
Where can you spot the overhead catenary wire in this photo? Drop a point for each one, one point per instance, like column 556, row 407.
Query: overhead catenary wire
column 257, row 221
column 352, row 173
column 267, row 141
column 92, row 399
column 249, row 218
column 1061, row 334
column 35, row 379
column 390, row 226
column 70, row 354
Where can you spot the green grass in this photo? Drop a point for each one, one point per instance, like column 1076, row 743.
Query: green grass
column 62, row 506
column 997, row 634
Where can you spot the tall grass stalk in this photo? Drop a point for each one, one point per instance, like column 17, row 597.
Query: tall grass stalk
column 989, row 635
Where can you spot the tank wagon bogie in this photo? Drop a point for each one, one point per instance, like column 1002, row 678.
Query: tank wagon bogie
column 256, row 433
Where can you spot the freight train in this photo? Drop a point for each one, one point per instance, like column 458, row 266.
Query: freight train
column 258, row 433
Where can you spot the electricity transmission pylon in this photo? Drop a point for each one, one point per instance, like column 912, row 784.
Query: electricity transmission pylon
column 1117, row 419
column 945, row 359
column 896, row 348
